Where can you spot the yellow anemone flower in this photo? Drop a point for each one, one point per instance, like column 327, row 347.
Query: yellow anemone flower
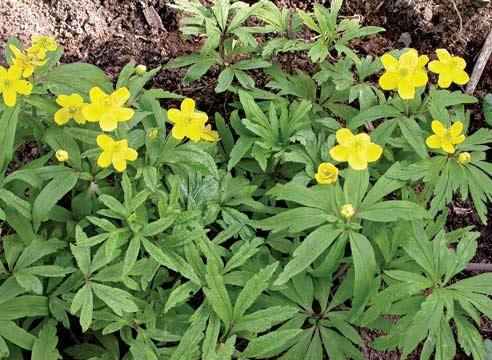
column 208, row 134
column 464, row 158
column 404, row 74
column 347, row 211
column 450, row 69
column 445, row 138
column 41, row 45
column 357, row 150
column 11, row 84
column 187, row 122
column 114, row 152
column 327, row 173
column 107, row 109
column 71, row 109
column 26, row 62
column 61, row 155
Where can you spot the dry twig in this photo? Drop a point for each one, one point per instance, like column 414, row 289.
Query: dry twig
column 482, row 60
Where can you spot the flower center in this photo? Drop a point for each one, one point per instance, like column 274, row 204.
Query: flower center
column 448, row 136
column 72, row 110
column 328, row 174
column 359, row 145
column 117, row 147
column 404, row 72
column 7, row 83
column 44, row 42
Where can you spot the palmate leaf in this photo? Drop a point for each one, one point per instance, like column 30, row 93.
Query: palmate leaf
column 44, row 347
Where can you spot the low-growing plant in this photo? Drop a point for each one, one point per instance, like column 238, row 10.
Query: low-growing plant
column 309, row 210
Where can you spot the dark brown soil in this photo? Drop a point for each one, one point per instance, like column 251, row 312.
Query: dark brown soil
column 109, row 33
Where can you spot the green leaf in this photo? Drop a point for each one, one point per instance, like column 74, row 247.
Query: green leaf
column 8, row 126
column 270, row 344
column 241, row 147
column 309, row 250
column 469, row 338
column 224, row 80
column 60, row 80
column 217, row 295
column 50, row 195
column 373, row 113
column 243, row 254
column 364, row 266
column 24, row 306
column 58, row 139
column 355, row 186
column 83, row 300
column 197, row 70
column 44, row 347
column 16, row 335
column 188, row 345
column 180, row 294
column 264, row 319
column 252, row 290
column 487, row 108
column 393, row 210
column 244, row 79
column 118, row 300
column 413, row 135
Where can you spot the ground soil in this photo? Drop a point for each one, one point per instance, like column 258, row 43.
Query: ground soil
column 109, row 33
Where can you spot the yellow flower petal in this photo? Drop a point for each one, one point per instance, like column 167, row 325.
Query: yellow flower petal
column 422, row 61
column 340, row 153
column 28, row 71
column 362, row 139
column 419, row 78
column 174, row 115
column 120, row 96
column 373, row 152
column 448, row 147
column 130, row 154
column 97, row 95
column 119, row 163
column 79, row 117
column 62, row 116
column 178, row 131
column 406, row 90
column 459, row 62
column 389, row 62
column 434, row 142
column 389, row 81
column 107, row 123
column 443, row 55
column 104, row 141
column 456, row 129
column 120, row 114
column 14, row 73
column 188, row 107
column 438, row 128
column 345, row 137
column 445, row 80
column 436, row 67
column 409, row 59
column 460, row 77
column 23, row 87
column 194, row 133
column 104, row 159
column 63, row 100
column 92, row 112
column 458, row 139
column 9, row 97
column 357, row 162
column 75, row 100
column 200, row 118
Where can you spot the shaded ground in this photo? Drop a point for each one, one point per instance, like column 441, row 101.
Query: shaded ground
column 109, row 33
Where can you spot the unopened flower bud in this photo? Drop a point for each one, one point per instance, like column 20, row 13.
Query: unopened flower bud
column 61, row 155
column 464, row 158
column 140, row 69
column 153, row 134
column 347, row 211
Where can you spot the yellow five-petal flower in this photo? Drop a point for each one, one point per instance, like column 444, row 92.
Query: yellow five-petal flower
column 327, row 173
column 114, row 152
column 11, row 84
column 445, row 138
column 71, row 109
column 108, row 109
column 41, row 45
column 450, row 69
column 404, row 74
column 187, row 122
column 357, row 150
column 26, row 62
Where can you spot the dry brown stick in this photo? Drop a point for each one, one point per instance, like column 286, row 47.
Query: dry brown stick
column 482, row 60
column 479, row 267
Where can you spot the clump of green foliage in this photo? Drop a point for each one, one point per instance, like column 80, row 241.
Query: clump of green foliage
column 317, row 208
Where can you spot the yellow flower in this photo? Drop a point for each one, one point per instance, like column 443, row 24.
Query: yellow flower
column 26, row 62
column 41, row 45
column 327, row 173
column 61, row 155
column 187, row 122
column 114, row 152
column 153, row 134
column 71, row 109
column 358, row 149
column 208, row 134
column 404, row 74
column 347, row 211
column 140, row 69
column 11, row 84
column 445, row 138
column 464, row 158
column 450, row 69
column 108, row 109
